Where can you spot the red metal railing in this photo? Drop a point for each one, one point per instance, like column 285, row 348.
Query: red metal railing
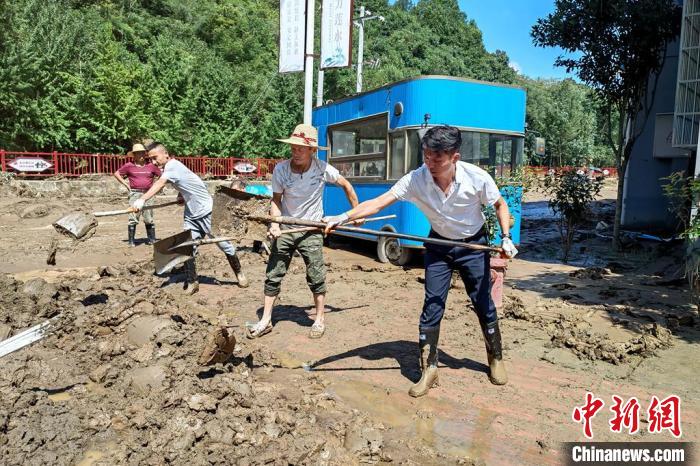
column 74, row 165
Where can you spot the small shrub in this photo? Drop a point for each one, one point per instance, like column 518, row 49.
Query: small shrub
column 571, row 194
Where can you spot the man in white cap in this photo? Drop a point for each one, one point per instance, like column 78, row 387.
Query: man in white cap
column 297, row 191
column 140, row 175
column 198, row 207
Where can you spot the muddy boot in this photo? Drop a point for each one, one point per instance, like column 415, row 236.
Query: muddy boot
column 191, row 278
column 497, row 368
column 132, row 235
column 427, row 342
column 235, row 264
column 151, row 234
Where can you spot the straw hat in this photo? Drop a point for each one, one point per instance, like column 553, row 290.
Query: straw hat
column 304, row 135
column 138, row 148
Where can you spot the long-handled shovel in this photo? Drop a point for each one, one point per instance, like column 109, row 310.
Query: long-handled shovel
column 79, row 224
column 174, row 250
column 365, row 231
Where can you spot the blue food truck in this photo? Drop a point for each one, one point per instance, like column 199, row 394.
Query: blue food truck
column 374, row 140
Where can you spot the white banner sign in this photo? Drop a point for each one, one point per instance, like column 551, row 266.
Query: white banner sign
column 292, row 35
column 30, row 165
column 336, row 33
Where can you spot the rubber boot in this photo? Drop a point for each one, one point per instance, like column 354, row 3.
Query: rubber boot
column 151, row 233
column 494, row 352
column 235, row 264
column 427, row 342
column 132, row 235
column 191, row 278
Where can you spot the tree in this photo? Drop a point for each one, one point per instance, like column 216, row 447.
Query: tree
column 617, row 47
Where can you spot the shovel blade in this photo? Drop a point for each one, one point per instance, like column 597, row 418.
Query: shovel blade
column 229, row 201
column 76, row 225
column 166, row 254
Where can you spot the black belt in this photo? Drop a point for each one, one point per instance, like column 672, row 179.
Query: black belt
column 469, row 239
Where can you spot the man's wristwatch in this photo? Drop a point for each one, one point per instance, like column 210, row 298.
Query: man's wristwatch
column 506, row 236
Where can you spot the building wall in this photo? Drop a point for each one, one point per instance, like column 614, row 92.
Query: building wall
column 645, row 208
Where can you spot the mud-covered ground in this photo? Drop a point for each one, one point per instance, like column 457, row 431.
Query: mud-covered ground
column 117, row 379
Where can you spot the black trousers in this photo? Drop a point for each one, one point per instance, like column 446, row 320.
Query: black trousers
column 474, row 269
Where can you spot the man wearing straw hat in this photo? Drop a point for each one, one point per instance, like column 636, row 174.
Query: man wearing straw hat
column 297, row 191
column 140, row 175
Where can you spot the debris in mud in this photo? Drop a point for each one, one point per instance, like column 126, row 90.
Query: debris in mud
column 126, row 366
column 587, row 344
column 218, row 347
column 26, row 209
column 53, row 249
column 593, row 273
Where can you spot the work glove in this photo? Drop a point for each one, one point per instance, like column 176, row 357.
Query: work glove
column 139, row 203
column 508, row 247
column 274, row 232
column 334, row 220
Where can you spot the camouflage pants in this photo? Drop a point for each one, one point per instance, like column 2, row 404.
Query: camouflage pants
column 310, row 246
column 147, row 214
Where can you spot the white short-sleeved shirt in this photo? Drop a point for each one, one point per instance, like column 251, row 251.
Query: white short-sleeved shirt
column 198, row 201
column 454, row 215
column 302, row 193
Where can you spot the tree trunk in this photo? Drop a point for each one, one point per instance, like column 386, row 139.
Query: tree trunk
column 621, row 171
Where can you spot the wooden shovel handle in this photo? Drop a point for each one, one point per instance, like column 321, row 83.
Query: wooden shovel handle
column 110, row 213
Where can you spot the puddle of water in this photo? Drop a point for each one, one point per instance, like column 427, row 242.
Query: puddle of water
column 60, row 397
column 463, row 438
column 537, row 210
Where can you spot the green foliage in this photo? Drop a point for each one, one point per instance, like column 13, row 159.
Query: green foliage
column 617, row 47
column 566, row 114
column 570, row 195
column 201, row 75
column 684, row 192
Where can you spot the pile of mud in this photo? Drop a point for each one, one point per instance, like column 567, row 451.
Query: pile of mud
column 570, row 329
column 230, row 214
column 118, row 380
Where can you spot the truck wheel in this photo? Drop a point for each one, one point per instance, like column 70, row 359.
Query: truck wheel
column 389, row 250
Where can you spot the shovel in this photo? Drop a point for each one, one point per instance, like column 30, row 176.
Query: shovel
column 365, row 231
column 174, row 250
column 79, row 224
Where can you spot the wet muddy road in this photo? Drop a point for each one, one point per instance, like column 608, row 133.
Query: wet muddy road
column 119, row 381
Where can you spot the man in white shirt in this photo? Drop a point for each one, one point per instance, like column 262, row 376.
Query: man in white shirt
column 297, row 191
column 451, row 194
column 198, row 206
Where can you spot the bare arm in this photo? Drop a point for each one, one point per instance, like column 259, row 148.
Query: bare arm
column 275, row 211
column 503, row 215
column 121, row 179
column 364, row 209
column 349, row 191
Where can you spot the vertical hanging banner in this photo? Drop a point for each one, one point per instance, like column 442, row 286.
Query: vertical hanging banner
column 336, row 34
column 292, row 35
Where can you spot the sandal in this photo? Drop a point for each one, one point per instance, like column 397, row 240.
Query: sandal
column 256, row 330
column 317, row 330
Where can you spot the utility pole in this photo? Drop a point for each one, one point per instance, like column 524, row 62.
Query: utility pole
column 365, row 15
column 309, row 61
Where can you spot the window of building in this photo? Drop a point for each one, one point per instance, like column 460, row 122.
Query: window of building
column 358, row 148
